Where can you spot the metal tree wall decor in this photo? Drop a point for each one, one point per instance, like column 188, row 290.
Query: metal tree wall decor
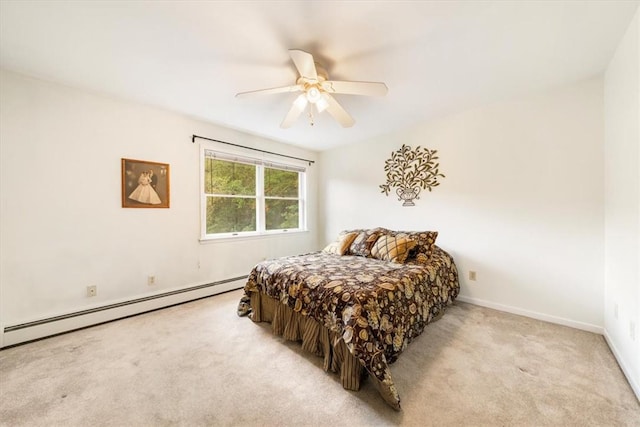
column 411, row 171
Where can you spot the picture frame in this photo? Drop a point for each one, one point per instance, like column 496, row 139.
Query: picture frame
column 145, row 184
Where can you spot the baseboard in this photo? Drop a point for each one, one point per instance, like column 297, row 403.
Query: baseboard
column 41, row 328
column 533, row 314
column 625, row 370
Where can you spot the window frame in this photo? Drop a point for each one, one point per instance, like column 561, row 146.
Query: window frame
column 260, row 197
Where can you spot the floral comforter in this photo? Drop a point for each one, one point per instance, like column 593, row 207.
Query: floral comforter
column 377, row 307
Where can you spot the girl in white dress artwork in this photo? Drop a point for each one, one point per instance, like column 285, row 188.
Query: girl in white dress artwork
column 144, row 192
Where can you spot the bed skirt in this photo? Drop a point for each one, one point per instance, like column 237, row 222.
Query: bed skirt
column 318, row 340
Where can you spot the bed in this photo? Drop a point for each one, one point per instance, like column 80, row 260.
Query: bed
column 358, row 303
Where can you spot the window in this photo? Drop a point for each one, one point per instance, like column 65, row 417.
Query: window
column 230, row 188
column 242, row 196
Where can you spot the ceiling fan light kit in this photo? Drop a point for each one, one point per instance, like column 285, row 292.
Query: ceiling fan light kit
column 316, row 90
column 313, row 94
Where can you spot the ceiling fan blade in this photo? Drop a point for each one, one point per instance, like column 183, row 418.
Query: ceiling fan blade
column 338, row 112
column 304, row 63
column 355, row 88
column 283, row 89
column 296, row 109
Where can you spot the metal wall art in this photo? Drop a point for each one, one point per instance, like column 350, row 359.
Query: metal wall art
column 411, row 171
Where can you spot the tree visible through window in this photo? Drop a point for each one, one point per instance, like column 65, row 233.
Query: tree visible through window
column 245, row 196
column 231, row 196
column 281, row 199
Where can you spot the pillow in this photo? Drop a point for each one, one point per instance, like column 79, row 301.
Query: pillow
column 361, row 245
column 341, row 246
column 393, row 248
column 425, row 241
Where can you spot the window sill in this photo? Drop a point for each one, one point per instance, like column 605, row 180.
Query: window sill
column 242, row 237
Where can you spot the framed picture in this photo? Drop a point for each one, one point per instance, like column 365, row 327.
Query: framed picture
column 145, row 184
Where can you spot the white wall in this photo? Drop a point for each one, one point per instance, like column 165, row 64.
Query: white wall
column 622, row 203
column 62, row 224
column 521, row 204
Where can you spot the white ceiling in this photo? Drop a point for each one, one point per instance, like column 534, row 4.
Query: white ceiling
column 194, row 56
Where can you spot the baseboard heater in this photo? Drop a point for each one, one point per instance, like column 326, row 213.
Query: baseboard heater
column 118, row 305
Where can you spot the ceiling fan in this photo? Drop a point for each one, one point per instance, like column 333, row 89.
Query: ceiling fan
column 317, row 90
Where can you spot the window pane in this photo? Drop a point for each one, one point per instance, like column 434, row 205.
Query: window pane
column 281, row 214
column 280, row 183
column 223, row 177
column 230, row 214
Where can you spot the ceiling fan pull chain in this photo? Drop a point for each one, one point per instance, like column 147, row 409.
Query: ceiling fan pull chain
column 311, row 117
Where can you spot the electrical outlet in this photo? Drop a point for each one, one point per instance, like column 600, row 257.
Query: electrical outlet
column 632, row 330
column 92, row 291
column 615, row 311
column 472, row 275
column 151, row 280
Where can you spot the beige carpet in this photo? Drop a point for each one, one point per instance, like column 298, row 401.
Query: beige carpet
column 200, row 364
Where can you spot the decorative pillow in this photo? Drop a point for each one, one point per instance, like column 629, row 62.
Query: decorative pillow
column 393, row 248
column 425, row 240
column 362, row 244
column 341, row 246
